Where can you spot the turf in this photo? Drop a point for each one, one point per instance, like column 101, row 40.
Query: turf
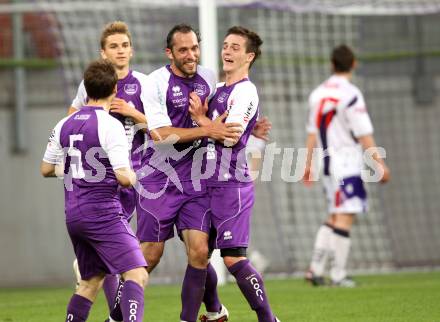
column 413, row 297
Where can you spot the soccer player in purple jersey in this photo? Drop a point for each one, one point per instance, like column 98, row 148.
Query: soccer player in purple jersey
column 230, row 187
column 178, row 202
column 128, row 108
column 128, row 104
column 90, row 148
column 339, row 123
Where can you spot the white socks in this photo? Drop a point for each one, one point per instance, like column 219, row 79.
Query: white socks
column 340, row 244
column 321, row 250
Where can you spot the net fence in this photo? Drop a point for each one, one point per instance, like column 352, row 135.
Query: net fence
column 399, row 73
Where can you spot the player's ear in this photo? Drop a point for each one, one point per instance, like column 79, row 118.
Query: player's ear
column 354, row 65
column 250, row 57
column 169, row 53
column 103, row 55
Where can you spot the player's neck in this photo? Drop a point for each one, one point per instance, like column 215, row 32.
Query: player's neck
column 235, row 76
column 345, row 75
column 122, row 72
column 104, row 103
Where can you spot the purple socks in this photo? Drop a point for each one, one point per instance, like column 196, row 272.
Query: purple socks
column 193, row 288
column 78, row 309
column 132, row 302
column 110, row 287
column 210, row 298
column 251, row 285
column 115, row 312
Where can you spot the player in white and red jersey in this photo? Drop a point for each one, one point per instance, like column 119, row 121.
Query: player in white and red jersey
column 339, row 123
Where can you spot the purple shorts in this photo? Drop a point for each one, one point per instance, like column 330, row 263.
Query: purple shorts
column 231, row 210
column 104, row 245
column 186, row 210
column 128, row 201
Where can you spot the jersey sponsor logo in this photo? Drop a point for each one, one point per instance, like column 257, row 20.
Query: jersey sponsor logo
column 69, row 317
column 199, row 89
column 227, row 235
column 247, row 114
column 222, row 97
column 180, row 102
column 130, row 89
column 82, row 117
column 176, row 91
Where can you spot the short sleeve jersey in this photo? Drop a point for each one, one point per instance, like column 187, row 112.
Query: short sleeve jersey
column 167, row 104
column 229, row 163
column 338, row 115
column 130, row 89
column 91, row 144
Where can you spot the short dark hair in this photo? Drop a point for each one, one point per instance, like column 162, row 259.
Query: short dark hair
column 253, row 40
column 100, row 79
column 183, row 28
column 342, row 59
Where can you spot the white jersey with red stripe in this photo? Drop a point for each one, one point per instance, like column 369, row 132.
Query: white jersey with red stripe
column 338, row 116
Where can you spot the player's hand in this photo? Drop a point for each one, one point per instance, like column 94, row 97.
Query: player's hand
column 307, row 177
column 386, row 175
column 262, row 129
column 120, row 106
column 196, row 108
column 227, row 133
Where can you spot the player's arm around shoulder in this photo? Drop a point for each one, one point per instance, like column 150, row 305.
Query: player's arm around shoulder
column 153, row 96
column 114, row 142
column 215, row 129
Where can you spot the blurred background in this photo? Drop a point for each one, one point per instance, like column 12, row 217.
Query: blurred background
column 45, row 45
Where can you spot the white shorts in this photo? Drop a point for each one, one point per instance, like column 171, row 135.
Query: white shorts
column 347, row 196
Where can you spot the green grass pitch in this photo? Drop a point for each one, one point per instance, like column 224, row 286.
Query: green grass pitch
column 410, row 297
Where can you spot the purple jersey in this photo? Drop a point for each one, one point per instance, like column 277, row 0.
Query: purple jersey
column 131, row 89
column 92, row 144
column 167, row 102
column 229, row 165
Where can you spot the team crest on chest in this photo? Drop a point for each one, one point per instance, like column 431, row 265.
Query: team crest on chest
column 130, row 89
column 222, row 97
column 199, row 89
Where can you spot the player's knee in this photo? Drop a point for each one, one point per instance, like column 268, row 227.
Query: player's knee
column 198, row 255
column 233, row 255
column 89, row 288
column 138, row 275
column 152, row 253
